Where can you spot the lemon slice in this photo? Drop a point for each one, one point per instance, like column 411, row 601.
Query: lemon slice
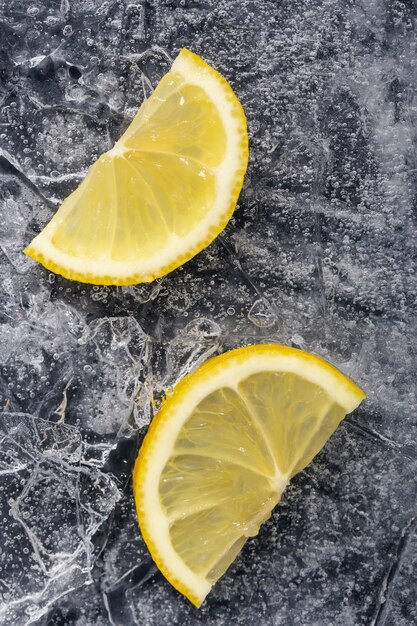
column 221, row 450
column 164, row 191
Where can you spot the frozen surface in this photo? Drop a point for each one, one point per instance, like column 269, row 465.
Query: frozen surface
column 52, row 503
column 321, row 254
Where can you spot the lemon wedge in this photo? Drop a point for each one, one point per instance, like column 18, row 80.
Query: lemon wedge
column 221, row 451
column 165, row 190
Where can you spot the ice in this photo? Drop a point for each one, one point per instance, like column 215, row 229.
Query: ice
column 399, row 601
column 51, row 505
column 98, row 365
column 190, row 346
column 127, row 568
column 261, row 314
column 320, row 254
column 114, row 352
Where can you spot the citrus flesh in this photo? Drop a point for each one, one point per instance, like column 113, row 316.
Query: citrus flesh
column 165, row 190
column 221, row 451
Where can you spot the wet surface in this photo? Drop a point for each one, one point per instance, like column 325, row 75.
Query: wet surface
column 320, row 254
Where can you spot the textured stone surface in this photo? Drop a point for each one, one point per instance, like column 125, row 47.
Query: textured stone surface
column 320, row 254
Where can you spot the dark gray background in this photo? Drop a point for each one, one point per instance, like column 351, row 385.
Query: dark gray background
column 320, row 254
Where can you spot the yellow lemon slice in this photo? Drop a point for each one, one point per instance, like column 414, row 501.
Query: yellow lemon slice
column 164, row 191
column 221, row 451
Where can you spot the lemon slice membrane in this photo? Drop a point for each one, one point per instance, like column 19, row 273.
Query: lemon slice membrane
column 164, row 191
column 221, row 451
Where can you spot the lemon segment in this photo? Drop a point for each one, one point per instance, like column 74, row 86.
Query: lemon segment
column 165, row 190
column 221, row 451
